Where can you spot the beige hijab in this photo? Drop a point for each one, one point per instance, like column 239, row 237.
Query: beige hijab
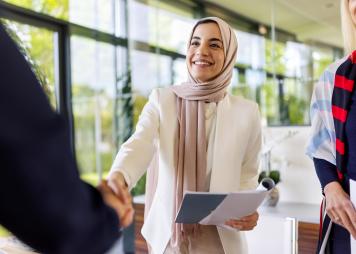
column 191, row 157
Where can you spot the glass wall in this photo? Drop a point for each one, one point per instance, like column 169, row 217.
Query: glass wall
column 93, row 96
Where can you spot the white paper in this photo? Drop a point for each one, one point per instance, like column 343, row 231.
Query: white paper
column 238, row 204
column 353, row 200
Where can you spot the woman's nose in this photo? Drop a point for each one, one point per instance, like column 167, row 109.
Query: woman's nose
column 202, row 50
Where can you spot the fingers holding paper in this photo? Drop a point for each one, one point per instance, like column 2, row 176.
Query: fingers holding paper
column 246, row 223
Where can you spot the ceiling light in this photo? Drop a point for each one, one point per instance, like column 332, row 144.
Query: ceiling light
column 262, row 29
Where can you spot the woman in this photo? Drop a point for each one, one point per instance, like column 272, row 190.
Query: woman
column 333, row 142
column 206, row 140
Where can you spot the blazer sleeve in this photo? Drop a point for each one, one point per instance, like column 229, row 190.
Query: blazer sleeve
column 137, row 152
column 43, row 201
column 249, row 170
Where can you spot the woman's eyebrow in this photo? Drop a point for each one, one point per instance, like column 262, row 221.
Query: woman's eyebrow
column 211, row 39
column 215, row 39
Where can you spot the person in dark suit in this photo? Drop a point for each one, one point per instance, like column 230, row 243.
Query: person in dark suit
column 42, row 199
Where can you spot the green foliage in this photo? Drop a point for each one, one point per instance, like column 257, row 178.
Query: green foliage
column 55, row 8
column 277, row 60
column 39, row 53
column 297, row 109
column 4, row 232
column 269, row 102
column 139, row 102
column 140, row 187
column 320, row 65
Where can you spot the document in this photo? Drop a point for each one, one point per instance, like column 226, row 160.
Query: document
column 208, row 208
column 353, row 200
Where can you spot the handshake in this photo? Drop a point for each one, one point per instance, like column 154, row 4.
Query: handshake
column 117, row 196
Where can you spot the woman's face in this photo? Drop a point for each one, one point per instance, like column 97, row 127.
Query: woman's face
column 205, row 56
column 352, row 9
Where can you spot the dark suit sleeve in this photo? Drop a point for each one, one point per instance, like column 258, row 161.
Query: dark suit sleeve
column 42, row 199
column 325, row 171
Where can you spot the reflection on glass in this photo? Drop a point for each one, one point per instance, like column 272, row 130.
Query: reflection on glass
column 158, row 26
column 179, row 71
column 251, row 49
column 298, row 59
column 275, row 57
column 149, row 71
column 269, row 102
column 93, row 83
column 97, row 14
column 321, row 59
column 58, row 8
column 38, row 45
column 246, row 83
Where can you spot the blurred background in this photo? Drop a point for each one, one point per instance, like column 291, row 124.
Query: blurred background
column 98, row 60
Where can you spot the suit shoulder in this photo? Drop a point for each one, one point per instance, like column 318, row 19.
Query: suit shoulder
column 163, row 95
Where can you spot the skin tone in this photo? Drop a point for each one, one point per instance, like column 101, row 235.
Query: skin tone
column 338, row 205
column 120, row 200
column 205, row 56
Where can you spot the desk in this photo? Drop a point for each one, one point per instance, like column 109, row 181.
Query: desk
column 307, row 221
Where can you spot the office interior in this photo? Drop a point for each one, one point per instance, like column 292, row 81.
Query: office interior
column 98, row 61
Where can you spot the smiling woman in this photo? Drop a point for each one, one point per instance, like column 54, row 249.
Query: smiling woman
column 185, row 127
column 205, row 56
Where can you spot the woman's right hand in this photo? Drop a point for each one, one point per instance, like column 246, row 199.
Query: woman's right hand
column 116, row 181
column 340, row 208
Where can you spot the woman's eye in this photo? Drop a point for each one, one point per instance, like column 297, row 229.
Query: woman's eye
column 214, row 45
column 194, row 43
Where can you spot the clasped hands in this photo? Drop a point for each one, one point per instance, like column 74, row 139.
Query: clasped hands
column 340, row 208
column 118, row 198
column 117, row 184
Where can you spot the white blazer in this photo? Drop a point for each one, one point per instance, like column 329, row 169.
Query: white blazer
column 234, row 167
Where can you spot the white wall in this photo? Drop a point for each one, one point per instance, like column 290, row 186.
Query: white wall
column 299, row 181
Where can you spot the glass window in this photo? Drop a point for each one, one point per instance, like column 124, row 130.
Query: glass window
column 157, row 26
column 149, row 71
column 297, row 101
column 39, row 46
column 321, row 59
column 180, row 71
column 275, row 57
column 97, row 14
column 251, row 49
column 298, row 59
column 58, row 8
column 269, row 105
column 93, row 84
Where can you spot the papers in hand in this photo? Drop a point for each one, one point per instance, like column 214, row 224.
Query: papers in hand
column 215, row 208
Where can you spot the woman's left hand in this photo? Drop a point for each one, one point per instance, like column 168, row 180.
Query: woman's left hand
column 245, row 223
